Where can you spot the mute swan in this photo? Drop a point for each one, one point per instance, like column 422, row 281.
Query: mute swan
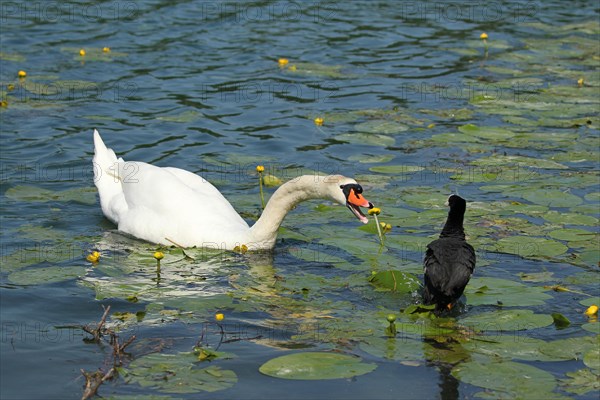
column 170, row 205
column 449, row 260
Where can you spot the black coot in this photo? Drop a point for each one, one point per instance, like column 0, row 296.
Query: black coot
column 449, row 260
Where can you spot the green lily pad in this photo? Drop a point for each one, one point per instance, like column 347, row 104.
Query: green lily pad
column 186, row 116
column 175, row 373
column 550, row 197
column 371, row 159
column 572, row 234
column 511, row 346
column 570, row 348
column 593, row 327
column 545, row 276
column 491, row 133
column 570, row 218
column 396, row 169
column 507, row 320
column 513, row 379
column 527, row 246
column 42, row 275
column 85, row 195
column 592, row 359
column 582, row 381
column 371, row 139
column 504, row 160
column 590, row 301
column 396, row 281
column 381, row 127
column 560, row 321
column 316, row 365
column 498, row 291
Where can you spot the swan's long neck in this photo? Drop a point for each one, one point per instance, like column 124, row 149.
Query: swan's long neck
column 264, row 232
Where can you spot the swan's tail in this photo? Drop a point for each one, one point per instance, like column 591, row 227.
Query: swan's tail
column 105, row 167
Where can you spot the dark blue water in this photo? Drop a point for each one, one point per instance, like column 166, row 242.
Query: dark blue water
column 196, row 85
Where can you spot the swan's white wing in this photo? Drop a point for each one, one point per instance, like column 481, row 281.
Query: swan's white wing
column 170, row 203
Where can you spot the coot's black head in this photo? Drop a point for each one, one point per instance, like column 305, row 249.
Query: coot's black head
column 457, row 204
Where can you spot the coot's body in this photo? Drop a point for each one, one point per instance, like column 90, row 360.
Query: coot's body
column 449, row 261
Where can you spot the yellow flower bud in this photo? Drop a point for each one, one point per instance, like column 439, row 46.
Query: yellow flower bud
column 591, row 311
column 22, row 74
column 283, row 62
column 106, row 49
column 292, row 68
column 319, row 121
column 219, row 317
column 483, row 36
column 580, row 82
column 3, row 103
column 260, row 168
column 82, row 52
column 374, row 211
column 159, row 255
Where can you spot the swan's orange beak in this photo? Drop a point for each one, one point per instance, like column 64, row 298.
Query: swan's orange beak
column 355, row 200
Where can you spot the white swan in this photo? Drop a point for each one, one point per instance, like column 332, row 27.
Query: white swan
column 171, row 205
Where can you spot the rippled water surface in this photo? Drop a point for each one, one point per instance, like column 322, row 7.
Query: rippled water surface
column 414, row 106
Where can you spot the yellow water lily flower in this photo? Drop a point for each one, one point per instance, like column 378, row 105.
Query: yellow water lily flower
column 591, row 311
column 260, row 168
column 22, row 74
column 159, row 255
column 319, row 121
column 374, row 211
column 106, row 49
column 483, row 36
column 283, row 62
column 93, row 257
column 219, row 317
column 580, row 82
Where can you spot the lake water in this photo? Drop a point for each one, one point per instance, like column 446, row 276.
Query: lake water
column 415, row 106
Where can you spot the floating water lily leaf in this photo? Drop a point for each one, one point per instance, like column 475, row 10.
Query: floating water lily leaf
column 550, row 197
column 514, row 380
column 570, row 348
column 317, row 70
column 456, row 114
column 42, row 275
column 593, row 327
column 582, row 381
column 394, row 348
column 396, row 169
column 527, row 246
column 186, row 116
column 511, row 346
column 570, row 218
column 560, row 321
column 592, row 359
column 381, row 127
column 85, row 195
column 498, row 291
column 12, row 57
column 492, row 133
column 316, row 365
column 371, row 139
column 371, row 159
column 397, row 281
column 507, row 320
column 571, row 234
column 504, row 160
column 590, row 301
column 175, row 373
column 545, row 276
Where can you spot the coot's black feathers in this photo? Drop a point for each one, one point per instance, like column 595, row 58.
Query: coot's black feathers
column 449, row 261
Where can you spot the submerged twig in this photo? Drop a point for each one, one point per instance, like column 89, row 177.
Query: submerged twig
column 93, row 380
column 98, row 331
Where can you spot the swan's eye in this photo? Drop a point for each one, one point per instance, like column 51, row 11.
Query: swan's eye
column 358, row 189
